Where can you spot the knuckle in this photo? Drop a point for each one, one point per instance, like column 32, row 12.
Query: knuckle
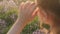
column 27, row 1
column 32, row 2
column 22, row 3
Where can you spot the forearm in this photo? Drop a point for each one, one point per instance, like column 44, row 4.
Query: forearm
column 24, row 16
column 17, row 27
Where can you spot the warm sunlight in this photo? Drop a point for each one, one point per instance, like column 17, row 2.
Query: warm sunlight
column 29, row 17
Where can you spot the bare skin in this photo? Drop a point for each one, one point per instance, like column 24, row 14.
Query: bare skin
column 25, row 15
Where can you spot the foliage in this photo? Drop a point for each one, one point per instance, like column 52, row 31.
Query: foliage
column 8, row 17
column 46, row 26
column 34, row 25
column 1, row 7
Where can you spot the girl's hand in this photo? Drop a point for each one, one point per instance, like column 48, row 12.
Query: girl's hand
column 27, row 11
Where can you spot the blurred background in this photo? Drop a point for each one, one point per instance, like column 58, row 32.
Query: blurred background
column 8, row 15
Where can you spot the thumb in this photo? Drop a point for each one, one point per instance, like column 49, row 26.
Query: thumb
column 35, row 12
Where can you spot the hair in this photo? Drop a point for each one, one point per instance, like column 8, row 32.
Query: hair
column 52, row 5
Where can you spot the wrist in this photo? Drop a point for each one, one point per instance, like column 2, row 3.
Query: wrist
column 22, row 18
column 17, row 26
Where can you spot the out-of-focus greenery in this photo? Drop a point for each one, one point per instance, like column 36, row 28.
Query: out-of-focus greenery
column 30, row 28
column 8, row 17
column 46, row 26
column 33, row 26
column 1, row 7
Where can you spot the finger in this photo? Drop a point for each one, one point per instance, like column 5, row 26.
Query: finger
column 27, row 4
column 32, row 7
column 35, row 12
column 21, row 6
column 35, row 1
column 31, row 4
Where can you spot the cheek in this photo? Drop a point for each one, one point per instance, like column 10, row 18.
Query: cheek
column 43, row 18
column 49, row 20
column 42, row 15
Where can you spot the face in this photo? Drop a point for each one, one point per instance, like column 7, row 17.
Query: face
column 43, row 16
column 46, row 18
